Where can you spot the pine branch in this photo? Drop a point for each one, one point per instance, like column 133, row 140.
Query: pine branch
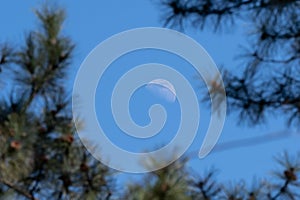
column 281, row 191
column 18, row 190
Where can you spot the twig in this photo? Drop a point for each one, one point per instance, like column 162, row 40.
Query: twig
column 20, row 191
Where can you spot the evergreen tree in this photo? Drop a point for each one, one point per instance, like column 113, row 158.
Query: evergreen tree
column 268, row 83
column 40, row 157
column 177, row 182
column 269, row 79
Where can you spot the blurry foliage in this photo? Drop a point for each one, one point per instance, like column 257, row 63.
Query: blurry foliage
column 269, row 80
column 180, row 183
column 41, row 158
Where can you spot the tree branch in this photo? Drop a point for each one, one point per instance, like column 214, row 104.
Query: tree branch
column 17, row 189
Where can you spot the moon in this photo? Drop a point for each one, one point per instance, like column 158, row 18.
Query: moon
column 163, row 89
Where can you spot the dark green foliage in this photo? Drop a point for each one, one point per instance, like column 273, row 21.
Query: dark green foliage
column 178, row 182
column 269, row 82
column 168, row 183
column 40, row 156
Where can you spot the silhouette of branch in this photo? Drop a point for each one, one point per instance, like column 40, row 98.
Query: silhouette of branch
column 281, row 191
column 17, row 189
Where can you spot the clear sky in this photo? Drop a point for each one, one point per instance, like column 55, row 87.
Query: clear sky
column 90, row 22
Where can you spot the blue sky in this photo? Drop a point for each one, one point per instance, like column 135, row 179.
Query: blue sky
column 89, row 23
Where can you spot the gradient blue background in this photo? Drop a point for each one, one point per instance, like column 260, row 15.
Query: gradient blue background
column 90, row 22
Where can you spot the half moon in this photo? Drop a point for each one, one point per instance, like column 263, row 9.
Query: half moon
column 163, row 89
